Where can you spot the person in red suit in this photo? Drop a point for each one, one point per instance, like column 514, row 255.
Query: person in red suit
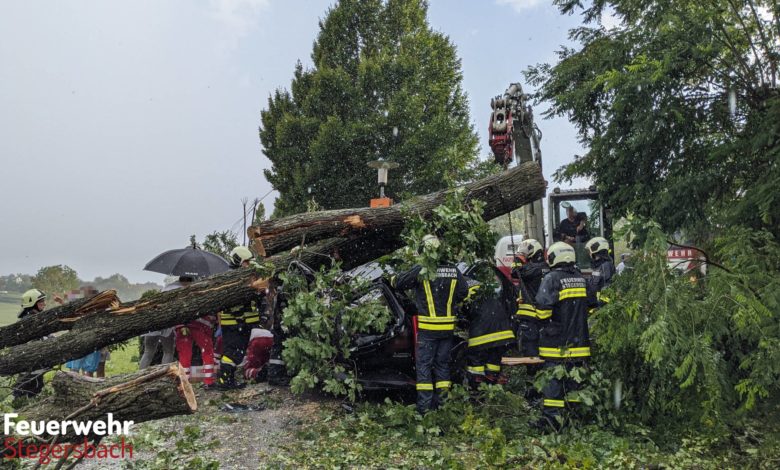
column 257, row 354
column 201, row 333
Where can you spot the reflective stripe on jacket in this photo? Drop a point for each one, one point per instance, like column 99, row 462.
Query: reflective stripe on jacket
column 245, row 314
column 530, row 275
column 489, row 315
column 437, row 300
column 562, row 302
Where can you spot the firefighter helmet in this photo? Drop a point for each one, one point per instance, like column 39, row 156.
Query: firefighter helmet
column 430, row 241
column 238, row 255
column 597, row 245
column 32, row 297
column 530, row 248
column 560, row 253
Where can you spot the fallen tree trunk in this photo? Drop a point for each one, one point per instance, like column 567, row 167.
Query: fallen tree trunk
column 502, row 193
column 60, row 318
column 154, row 393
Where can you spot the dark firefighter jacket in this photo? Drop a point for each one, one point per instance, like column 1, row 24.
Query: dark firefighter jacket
column 248, row 312
column 530, row 275
column 562, row 305
column 436, row 300
column 603, row 271
column 489, row 315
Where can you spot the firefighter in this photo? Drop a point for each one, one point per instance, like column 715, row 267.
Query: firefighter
column 30, row 384
column 562, row 308
column 603, row 267
column 236, row 324
column 489, row 313
column 530, row 272
column 437, row 302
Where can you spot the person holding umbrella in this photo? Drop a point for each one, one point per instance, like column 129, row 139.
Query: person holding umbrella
column 236, row 323
column 187, row 264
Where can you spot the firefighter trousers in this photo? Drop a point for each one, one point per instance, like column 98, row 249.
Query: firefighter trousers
column 484, row 364
column 235, row 339
column 556, row 392
column 202, row 335
column 433, row 369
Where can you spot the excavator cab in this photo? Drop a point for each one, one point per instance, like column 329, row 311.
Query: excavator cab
column 578, row 207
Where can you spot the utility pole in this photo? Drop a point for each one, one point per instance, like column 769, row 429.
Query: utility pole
column 254, row 210
column 244, row 201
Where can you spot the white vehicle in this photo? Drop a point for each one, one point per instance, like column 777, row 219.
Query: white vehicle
column 506, row 248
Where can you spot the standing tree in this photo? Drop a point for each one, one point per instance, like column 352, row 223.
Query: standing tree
column 679, row 106
column 56, row 279
column 220, row 243
column 384, row 84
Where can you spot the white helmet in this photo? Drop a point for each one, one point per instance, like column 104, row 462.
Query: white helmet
column 32, row 297
column 431, row 241
column 530, row 248
column 560, row 253
column 596, row 245
column 238, row 255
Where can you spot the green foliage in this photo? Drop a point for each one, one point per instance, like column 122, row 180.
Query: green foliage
column 322, row 317
column 56, row 279
column 463, row 233
column 182, row 456
column 595, row 394
column 259, row 214
column 220, row 243
column 384, row 84
column 490, row 429
column 678, row 105
column 702, row 350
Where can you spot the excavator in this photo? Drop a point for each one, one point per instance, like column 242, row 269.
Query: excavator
column 514, row 136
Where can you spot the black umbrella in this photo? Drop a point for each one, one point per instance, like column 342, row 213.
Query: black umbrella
column 190, row 261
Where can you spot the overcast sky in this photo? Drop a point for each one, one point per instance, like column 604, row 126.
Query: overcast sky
column 126, row 126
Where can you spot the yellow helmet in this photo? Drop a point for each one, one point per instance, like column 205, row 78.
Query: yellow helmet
column 597, row 244
column 560, row 253
column 32, row 297
column 240, row 254
column 530, row 248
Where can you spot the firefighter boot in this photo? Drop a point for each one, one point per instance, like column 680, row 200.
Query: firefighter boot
column 227, row 378
column 277, row 373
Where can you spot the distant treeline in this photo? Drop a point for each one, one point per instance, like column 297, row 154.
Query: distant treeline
column 126, row 290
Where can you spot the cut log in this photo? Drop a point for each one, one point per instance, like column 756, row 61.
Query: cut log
column 521, row 361
column 154, row 393
column 500, row 192
column 352, row 246
column 50, row 321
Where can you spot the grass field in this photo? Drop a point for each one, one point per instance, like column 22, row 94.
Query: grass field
column 123, row 360
column 9, row 307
